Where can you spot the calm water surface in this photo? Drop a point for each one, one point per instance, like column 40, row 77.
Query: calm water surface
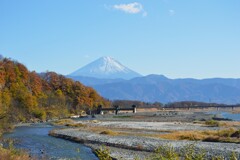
column 229, row 115
column 235, row 117
column 36, row 141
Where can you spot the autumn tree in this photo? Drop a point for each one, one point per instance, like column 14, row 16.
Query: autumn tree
column 25, row 95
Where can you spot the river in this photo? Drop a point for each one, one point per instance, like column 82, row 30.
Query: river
column 235, row 116
column 36, row 141
column 227, row 115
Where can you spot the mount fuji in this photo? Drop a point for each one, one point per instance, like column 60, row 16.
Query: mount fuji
column 114, row 81
column 105, row 68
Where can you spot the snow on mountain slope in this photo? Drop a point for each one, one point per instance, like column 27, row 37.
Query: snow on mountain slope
column 105, row 67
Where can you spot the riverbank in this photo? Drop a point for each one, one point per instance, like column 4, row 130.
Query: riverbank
column 129, row 135
column 12, row 154
column 34, row 139
column 141, row 143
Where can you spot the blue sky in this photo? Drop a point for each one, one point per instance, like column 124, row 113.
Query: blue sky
column 176, row 38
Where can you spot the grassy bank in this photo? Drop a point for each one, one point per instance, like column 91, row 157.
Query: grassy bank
column 167, row 152
column 230, row 135
column 10, row 153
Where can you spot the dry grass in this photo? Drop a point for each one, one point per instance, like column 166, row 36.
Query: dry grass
column 75, row 125
column 223, row 135
column 94, row 121
column 214, row 123
column 63, row 122
column 183, row 135
column 226, row 135
column 123, row 131
column 230, row 124
column 10, row 154
column 138, row 117
column 109, row 132
column 68, row 123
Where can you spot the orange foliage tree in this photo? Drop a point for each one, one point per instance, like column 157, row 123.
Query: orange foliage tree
column 32, row 95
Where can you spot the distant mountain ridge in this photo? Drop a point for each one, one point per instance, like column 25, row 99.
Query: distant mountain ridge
column 155, row 88
column 106, row 68
column 158, row 88
column 114, row 81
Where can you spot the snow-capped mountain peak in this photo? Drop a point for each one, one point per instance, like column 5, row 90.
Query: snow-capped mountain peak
column 110, row 65
column 106, row 67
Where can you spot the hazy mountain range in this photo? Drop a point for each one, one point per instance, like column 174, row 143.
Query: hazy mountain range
column 154, row 88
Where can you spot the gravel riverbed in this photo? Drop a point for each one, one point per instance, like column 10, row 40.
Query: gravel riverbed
column 132, row 146
column 145, row 144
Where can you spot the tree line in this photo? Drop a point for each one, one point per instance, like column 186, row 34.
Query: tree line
column 26, row 95
column 181, row 104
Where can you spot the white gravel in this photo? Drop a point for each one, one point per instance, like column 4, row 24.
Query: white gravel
column 158, row 126
column 145, row 144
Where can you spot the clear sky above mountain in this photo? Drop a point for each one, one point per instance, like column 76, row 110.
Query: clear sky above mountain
column 176, row 38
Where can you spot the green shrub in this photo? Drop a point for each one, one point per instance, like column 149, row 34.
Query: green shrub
column 165, row 152
column 218, row 158
column 212, row 123
column 233, row 156
column 41, row 114
column 189, row 152
column 103, row 153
